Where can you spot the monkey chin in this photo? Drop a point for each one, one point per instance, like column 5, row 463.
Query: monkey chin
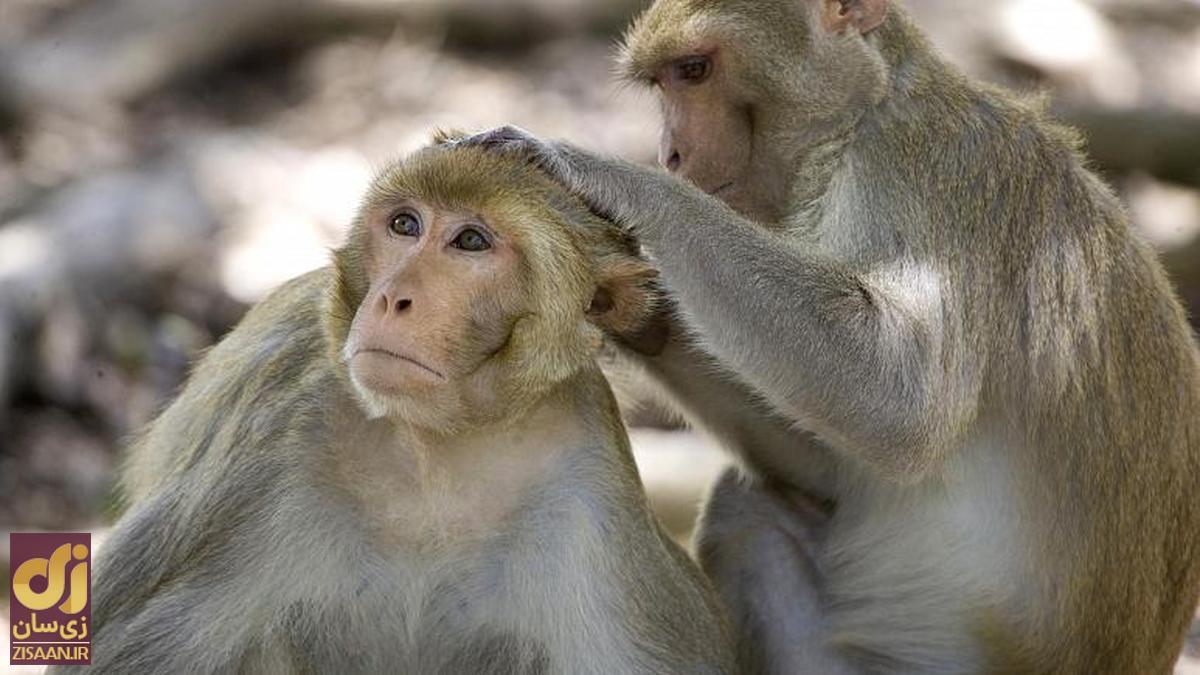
column 379, row 405
column 396, row 387
column 429, row 411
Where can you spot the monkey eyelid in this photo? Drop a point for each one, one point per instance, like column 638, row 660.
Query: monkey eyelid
column 476, row 224
column 488, row 235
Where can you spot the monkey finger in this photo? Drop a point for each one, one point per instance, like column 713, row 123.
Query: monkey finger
column 516, row 142
column 501, row 138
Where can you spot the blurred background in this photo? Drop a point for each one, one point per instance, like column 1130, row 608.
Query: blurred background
column 164, row 163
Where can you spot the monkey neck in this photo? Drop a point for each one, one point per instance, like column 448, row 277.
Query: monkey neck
column 563, row 417
column 917, row 79
column 448, row 490
column 813, row 170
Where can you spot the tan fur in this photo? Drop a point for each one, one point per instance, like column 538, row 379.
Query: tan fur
column 908, row 299
column 278, row 524
column 1080, row 368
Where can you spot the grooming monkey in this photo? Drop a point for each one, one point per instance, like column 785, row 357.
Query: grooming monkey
column 966, row 399
column 410, row 463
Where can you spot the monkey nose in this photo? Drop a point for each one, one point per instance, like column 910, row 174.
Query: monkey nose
column 673, row 162
column 388, row 305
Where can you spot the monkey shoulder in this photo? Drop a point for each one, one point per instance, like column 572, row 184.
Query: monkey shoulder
column 284, row 325
column 262, row 383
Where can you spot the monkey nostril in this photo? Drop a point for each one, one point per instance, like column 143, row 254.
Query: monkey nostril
column 402, row 305
column 674, row 161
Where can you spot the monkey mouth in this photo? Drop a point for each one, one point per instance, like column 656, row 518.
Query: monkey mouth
column 401, row 357
column 720, row 188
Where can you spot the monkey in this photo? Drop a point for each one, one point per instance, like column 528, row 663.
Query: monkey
column 410, row 462
column 963, row 395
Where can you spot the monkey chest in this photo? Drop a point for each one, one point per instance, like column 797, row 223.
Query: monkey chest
column 469, row 616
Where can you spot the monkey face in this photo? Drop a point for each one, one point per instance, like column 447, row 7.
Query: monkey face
column 708, row 126
column 470, row 285
column 706, row 136
column 744, row 85
column 446, row 289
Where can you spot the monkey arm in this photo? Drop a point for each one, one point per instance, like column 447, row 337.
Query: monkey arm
column 858, row 357
column 758, row 548
column 147, row 611
column 711, row 397
column 126, row 579
column 832, row 348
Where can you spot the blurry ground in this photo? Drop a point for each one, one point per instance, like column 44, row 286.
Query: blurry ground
column 163, row 163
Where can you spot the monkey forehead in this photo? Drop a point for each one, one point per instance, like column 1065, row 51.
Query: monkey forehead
column 506, row 191
column 662, row 33
column 671, row 29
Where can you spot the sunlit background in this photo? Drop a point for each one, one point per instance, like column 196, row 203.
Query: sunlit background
column 164, row 163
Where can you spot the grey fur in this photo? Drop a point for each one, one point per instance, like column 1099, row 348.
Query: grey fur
column 243, row 552
column 957, row 339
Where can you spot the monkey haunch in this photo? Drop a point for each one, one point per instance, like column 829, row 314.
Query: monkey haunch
column 999, row 394
column 410, row 463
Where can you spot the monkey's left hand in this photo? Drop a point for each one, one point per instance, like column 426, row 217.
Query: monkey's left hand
column 589, row 176
column 667, row 215
column 549, row 156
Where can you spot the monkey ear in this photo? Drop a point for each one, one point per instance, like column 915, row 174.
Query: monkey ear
column 625, row 297
column 863, row 16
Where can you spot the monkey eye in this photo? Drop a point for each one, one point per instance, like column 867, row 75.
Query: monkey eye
column 405, row 224
column 471, row 239
column 693, row 70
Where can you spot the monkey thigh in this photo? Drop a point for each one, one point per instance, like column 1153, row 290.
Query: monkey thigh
column 758, row 548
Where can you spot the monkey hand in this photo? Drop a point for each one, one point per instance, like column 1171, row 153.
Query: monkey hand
column 512, row 140
column 643, row 203
column 564, row 163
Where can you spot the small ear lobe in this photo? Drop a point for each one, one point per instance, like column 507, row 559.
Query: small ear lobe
column 625, row 297
column 863, row 15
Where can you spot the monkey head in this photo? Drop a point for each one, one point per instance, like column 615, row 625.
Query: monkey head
column 470, row 284
column 747, row 85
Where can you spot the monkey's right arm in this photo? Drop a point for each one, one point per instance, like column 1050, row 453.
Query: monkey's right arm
column 152, row 612
column 863, row 360
column 711, row 397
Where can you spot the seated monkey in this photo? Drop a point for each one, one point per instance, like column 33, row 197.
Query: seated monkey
column 410, row 463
